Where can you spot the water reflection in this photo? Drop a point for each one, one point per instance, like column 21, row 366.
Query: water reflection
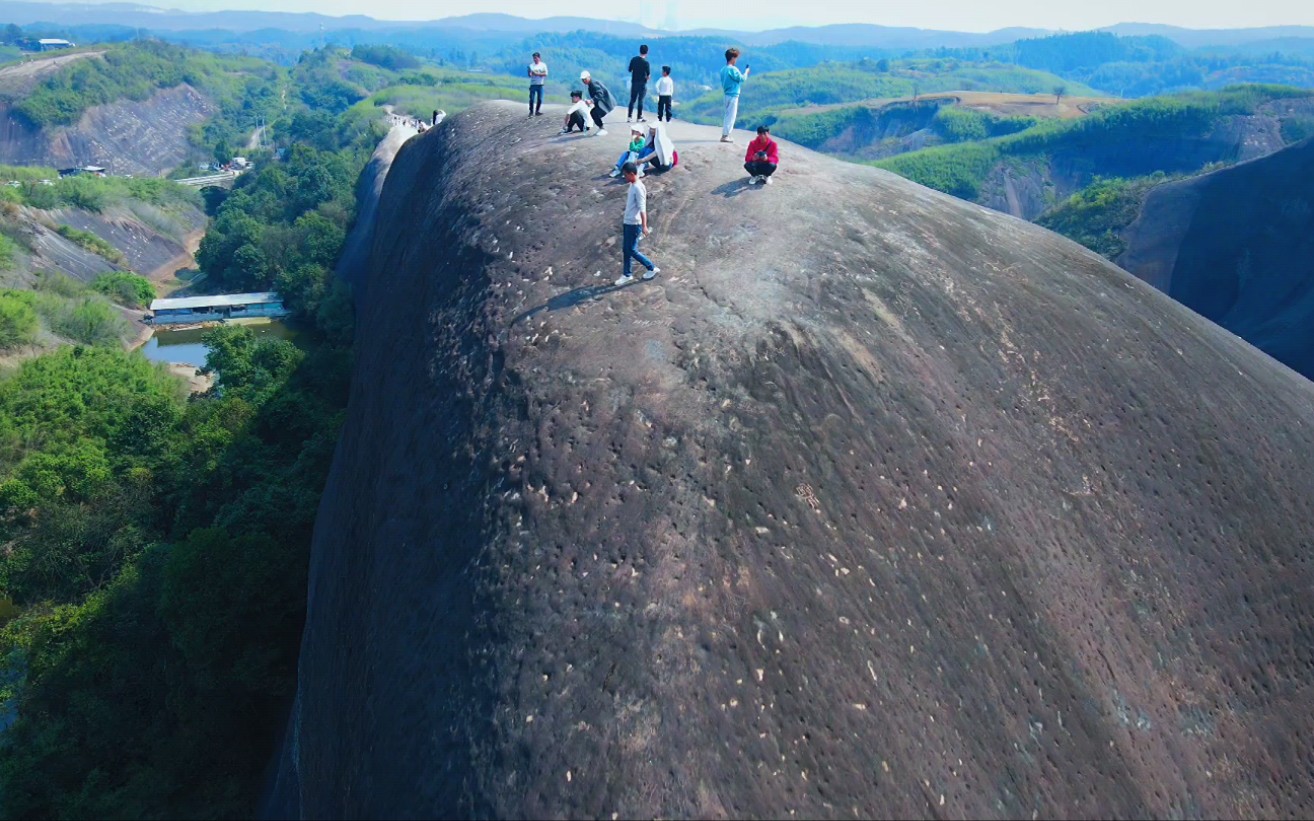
column 186, row 347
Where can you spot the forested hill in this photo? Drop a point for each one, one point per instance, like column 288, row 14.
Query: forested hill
column 152, row 585
column 134, row 108
column 1028, row 172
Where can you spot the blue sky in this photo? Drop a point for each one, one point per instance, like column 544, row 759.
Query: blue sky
column 750, row 15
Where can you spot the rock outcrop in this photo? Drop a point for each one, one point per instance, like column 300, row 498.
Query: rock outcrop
column 353, row 262
column 1237, row 246
column 873, row 503
column 144, row 138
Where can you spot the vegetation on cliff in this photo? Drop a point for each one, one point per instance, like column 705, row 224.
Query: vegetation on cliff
column 1168, row 134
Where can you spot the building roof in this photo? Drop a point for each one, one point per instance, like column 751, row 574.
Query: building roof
column 215, row 301
column 52, row 41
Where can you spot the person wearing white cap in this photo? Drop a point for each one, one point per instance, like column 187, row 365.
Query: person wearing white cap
column 602, row 102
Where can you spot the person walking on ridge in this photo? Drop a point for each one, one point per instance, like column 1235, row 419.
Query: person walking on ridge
column 601, row 98
column 640, row 71
column 762, row 157
column 538, row 72
column 634, row 227
column 732, row 79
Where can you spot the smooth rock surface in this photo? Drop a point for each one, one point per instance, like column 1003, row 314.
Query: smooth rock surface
column 873, row 503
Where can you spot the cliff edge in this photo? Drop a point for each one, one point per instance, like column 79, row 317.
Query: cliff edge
column 873, row 503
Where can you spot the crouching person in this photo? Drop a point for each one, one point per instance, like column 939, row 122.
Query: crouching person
column 575, row 114
column 762, row 157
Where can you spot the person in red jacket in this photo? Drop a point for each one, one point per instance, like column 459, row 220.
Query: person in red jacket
column 762, row 158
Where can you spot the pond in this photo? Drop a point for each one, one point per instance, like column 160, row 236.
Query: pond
column 186, row 347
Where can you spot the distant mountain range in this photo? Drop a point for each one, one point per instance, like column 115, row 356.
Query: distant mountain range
column 854, row 34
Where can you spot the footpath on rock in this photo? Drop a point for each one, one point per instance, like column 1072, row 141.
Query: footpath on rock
column 874, row 503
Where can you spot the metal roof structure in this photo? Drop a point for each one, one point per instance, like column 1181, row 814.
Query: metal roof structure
column 214, row 301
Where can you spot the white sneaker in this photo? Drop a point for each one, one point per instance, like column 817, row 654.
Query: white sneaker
column 754, row 180
column 602, row 132
column 615, row 172
column 650, row 274
column 624, row 279
column 726, row 140
column 766, row 180
column 628, row 120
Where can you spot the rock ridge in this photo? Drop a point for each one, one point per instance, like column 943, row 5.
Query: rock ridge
column 874, row 503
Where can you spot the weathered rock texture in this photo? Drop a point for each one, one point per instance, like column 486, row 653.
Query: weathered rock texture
column 874, row 503
column 155, row 242
column 1237, row 245
column 126, row 137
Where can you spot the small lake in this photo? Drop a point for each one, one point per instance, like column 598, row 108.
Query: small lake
column 187, row 348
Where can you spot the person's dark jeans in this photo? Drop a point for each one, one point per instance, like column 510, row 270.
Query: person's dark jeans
column 576, row 121
column 637, row 92
column 664, row 105
column 630, row 250
column 759, row 168
column 535, row 92
column 597, row 115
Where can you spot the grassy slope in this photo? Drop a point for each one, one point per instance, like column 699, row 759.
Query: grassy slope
column 830, row 84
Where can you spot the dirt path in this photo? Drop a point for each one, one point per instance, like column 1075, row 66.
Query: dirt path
column 33, row 69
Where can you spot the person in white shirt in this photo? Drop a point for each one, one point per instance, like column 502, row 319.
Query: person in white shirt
column 538, row 73
column 575, row 115
column 665, row 91
column 634, row 228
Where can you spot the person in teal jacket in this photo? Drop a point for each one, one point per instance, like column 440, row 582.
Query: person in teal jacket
column 732, row 79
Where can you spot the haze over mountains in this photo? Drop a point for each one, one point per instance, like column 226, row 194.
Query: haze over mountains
column 876, row 36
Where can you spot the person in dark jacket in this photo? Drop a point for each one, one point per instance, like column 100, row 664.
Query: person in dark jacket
column 602, row 102
column 762, row 157
column 640, row 71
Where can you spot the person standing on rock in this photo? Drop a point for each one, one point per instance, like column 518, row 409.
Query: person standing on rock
column 762, row 157
column 665, row 93
column 538, row 72
column 732, row 79
column 640, row 71
column 634, row 228
column 601, row 98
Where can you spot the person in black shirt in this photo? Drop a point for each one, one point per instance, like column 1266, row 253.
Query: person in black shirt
column 639, row 73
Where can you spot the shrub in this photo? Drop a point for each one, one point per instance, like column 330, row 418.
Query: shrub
column 89, row 320
column 8, row 252
column 128, row 289
column 92, row 243
column 18, row 319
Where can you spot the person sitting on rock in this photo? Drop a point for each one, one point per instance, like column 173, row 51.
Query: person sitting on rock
column 636, row 149
column 575, row 114
column 762, row 158
column 601, row 98
column 659, row 152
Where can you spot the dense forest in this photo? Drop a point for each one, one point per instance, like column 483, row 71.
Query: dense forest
column 154, row 571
